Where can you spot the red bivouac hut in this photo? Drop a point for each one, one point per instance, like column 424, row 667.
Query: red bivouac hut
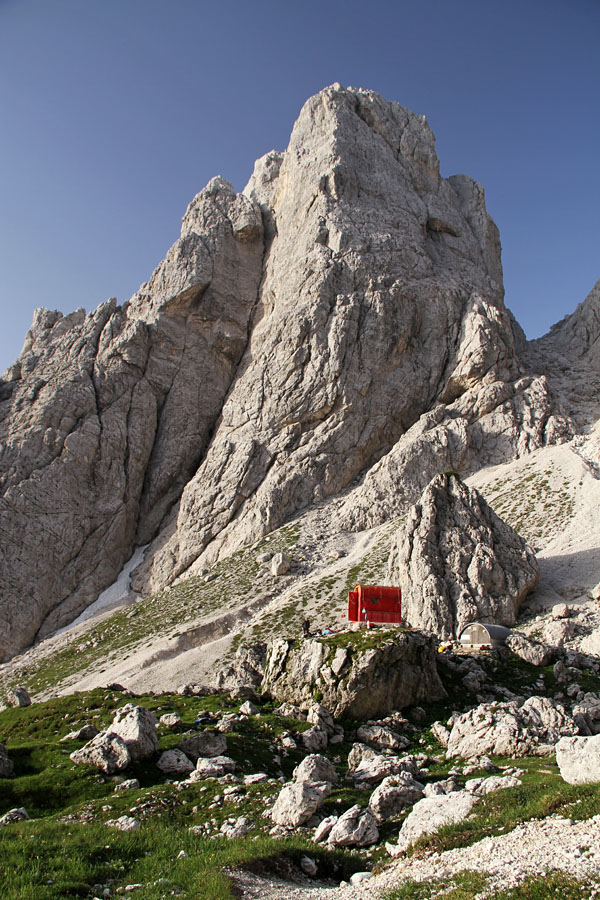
column 375, row 603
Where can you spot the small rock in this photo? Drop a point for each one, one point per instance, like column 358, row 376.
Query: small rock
column 123, row 823
column 14, row 815
column 308, row 866
column 359, row 877
column 172, row 721
column 127, row 785
column 249, row 709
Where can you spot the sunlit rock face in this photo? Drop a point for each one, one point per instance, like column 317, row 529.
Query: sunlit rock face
column 338, row 325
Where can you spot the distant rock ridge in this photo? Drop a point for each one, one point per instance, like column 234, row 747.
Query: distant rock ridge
column 335, row 333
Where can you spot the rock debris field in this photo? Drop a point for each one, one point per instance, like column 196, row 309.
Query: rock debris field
column 530, row 849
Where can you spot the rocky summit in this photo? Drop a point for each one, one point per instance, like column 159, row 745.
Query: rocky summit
column 319, row 387
column 335, row 334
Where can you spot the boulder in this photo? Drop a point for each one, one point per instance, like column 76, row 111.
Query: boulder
column 516, row 728
column 298, row 802
column 7, row 768
column 215, row 767
column 588, row 710
column 393, row 795
column 483, row 786
column 530, row 651
column 229, row 722
column 458, row 562
column 578, row 759
column 136, row 725
column 557, row 631
column 172, row 721
column 321, row 717
column 107, row 752
column 308, row 866
column 440, row 733
column 430, row 814
column 249, row 709
column 323, row 829
column 374, row 769
column 355, row 828
column 14, row 815
column 314, row 739
column 400, row 670
column 174, row 762
column 315, row 768
column 280, row 564
column 206, row 744
column 85, row 733
column 18, row 696
column 381, row 737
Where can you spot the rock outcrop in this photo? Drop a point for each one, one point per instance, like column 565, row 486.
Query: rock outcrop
column 516, row 728
column 336, row 332
column 458, row 562
column 385, row 675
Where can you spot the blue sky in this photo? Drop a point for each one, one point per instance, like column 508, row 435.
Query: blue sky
column 114, row 113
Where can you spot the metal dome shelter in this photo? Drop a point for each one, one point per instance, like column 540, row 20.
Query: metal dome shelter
column 480, row 634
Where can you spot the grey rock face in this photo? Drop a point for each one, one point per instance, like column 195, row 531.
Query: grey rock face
column 458, row 562
column 105, row 417
column 107, row 751
column 578, row 759
column 401, row 672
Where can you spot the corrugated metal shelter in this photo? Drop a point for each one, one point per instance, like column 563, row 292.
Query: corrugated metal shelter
column 375, row 603
column 480, row 634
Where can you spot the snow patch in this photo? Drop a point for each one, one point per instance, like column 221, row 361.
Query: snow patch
column 112, row 596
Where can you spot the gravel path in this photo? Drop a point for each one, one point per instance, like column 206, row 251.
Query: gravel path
column 530, row 849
